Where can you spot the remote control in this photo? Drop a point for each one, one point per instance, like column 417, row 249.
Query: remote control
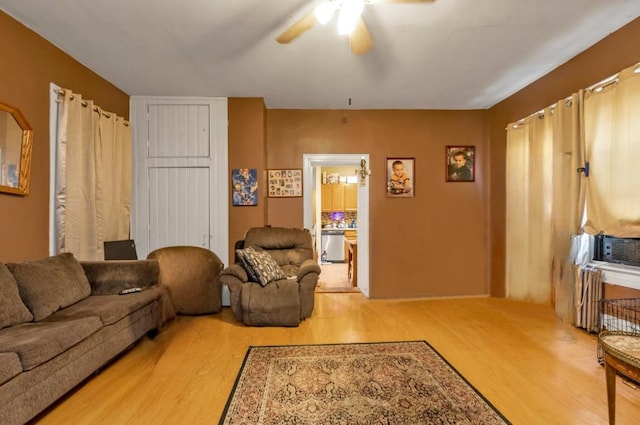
column 130, row 291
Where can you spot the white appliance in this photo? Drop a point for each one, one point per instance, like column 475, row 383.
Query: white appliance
column 332, row 246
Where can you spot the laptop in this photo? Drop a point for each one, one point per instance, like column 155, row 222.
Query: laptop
column 120, row 250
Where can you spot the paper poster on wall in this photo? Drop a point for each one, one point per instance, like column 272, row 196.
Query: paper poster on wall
column 244, row 186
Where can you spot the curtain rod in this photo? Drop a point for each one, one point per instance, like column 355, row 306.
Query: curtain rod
column 612, row 79
column 598, row 87
column 63, row 92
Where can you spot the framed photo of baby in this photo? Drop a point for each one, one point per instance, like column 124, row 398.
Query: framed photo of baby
column 460, row 163
column 400, row 177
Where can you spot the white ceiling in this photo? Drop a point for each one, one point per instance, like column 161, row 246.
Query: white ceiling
column 450, row 54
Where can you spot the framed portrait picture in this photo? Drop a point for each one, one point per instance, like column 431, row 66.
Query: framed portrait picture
column 400, row 177
column 460, row 163
column 333, row 178
column 285, row 183
column 244, row 186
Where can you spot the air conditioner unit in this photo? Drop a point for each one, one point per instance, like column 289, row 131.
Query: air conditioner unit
column 617, row 250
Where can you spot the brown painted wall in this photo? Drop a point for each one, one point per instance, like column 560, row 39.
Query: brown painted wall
column 247, row 149
column 434, row 244
column 30, row 63
column 614, row 53
column 448, row 240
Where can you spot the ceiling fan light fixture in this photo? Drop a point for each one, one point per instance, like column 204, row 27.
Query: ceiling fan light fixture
column 353, row 7
column 350, row 11
column 324, row 11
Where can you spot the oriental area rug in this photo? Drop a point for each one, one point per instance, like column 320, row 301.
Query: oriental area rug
column 365, row 383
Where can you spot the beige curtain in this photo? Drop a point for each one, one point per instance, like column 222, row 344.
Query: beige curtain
column 612, row 143
column 542, row 205
column 528, row 201
column 115, row 167
column 568, row 199
column 93, row 187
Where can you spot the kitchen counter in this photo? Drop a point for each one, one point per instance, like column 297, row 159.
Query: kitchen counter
column 339, row 231
column 339, row 228
column 332, row 231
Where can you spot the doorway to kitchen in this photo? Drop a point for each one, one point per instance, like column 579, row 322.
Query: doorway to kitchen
column 354, row 241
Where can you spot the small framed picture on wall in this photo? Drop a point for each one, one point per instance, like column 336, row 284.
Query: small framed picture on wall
column 400, row 177
column 460, row 163
column 285, row 183
column 244, row 186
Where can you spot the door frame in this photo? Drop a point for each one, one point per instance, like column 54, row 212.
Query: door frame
column 310, row 162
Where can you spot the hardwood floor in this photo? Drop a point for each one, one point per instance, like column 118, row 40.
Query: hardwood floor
column 532, row 367
column 334, row 278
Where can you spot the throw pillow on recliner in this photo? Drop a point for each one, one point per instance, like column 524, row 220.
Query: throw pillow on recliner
column 244, row 262
column 260, row 266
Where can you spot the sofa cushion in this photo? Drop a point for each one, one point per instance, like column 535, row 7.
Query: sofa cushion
column 49, row 284
column 12, row 309
column 9, row 366
column 109, row 308
column 262, row 266
column 35, row 343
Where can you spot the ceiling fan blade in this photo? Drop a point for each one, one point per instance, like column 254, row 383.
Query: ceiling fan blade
column 296, row 29
column 360, row 39
column 398, row 1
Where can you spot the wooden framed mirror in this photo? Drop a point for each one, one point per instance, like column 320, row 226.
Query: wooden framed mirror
column 16, row 140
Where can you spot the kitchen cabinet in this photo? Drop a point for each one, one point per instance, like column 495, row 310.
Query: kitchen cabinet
column 332, row 197
column 326, row 203
column 351, row 197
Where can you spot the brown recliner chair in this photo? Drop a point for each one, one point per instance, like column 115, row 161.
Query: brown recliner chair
column 282, row 302
column 191, row 274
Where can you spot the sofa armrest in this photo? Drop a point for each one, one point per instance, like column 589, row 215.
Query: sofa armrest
column 308, row 266
column 110, row 277
column 307, row 279
column 234, row 277
column 234, row 271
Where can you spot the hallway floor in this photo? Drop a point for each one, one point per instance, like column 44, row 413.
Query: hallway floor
column 333, row 278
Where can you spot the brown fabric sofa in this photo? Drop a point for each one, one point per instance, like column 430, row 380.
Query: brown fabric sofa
column 61, row 320
column 282, row 302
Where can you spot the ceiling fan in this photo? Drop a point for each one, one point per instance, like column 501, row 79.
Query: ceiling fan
column 349, row 21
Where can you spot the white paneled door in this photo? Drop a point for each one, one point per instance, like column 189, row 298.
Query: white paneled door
column 180, row 192
column 179, row 206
